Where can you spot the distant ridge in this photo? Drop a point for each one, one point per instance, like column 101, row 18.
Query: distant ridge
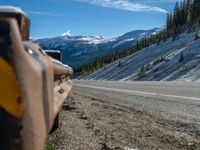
column 78, row 50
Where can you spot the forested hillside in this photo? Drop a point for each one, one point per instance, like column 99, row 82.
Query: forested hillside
column 184, row 18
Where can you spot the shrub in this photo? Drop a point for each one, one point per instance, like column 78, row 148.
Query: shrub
column 158, row 60
column 142, row 71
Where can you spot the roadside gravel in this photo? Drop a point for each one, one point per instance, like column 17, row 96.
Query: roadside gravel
column 94, row 122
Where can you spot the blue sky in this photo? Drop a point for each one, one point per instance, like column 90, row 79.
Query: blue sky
column 107, row 18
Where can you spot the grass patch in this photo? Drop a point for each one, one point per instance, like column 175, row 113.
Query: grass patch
column 50, row 144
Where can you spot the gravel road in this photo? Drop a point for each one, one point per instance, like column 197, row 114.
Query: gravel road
column 94, row 119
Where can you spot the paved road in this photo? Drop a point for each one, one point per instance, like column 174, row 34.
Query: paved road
column 184, row 90
column 179, row 100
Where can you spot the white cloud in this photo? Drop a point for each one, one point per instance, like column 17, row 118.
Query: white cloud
column 125, row 5
column 170, row 1
column 68, row 33
column 43, row 13
column 159, row 1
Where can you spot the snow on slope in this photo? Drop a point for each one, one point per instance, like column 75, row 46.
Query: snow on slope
column 78, row 50
column 168, row 69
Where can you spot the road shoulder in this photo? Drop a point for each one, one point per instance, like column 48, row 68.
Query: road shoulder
column 89, row 122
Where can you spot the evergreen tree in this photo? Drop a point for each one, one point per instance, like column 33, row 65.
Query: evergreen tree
column 196, row 34
column 119, row 64
column 141, row 71
column 181, row 59
column 188, row 12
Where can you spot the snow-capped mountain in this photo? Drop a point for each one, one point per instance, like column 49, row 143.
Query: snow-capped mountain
column 78, row 50
column 171, row 60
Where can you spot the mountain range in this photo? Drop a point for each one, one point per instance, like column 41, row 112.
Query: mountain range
column 78, row 50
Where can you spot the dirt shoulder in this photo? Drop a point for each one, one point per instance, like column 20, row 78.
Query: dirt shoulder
column 89, row 122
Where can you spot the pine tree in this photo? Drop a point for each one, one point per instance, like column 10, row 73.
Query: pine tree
column 195, row 10
column 188, row 12
column 196, row 35
column 141, row 71
column 119, row 64
column 181, row 59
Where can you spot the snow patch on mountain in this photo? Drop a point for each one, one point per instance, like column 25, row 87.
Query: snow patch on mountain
column 92, row 39
column 122, row 42
column 68, row 33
